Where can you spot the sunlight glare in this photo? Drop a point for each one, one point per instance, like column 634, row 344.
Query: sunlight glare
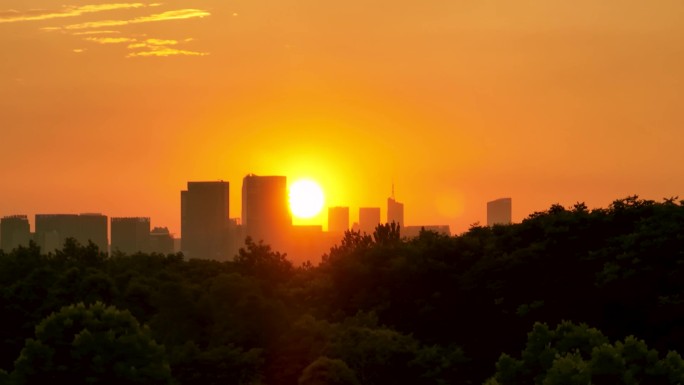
column 306, row 198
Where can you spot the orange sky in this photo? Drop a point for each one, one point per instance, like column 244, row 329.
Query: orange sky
column 112, row 107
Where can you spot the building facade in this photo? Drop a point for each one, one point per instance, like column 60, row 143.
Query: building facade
column 130, row 235
column 338, row 219
column 204, row 220
column 265, row 211
column 15, row 231
column 369, row 219
column 52, row 230
column 395, row 212
column 161, row 241
column 499, row 212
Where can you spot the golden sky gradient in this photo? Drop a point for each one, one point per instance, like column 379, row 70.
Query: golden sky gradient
column 111, row 107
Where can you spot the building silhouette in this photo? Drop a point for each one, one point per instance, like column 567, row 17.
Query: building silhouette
column 15, row 231
column 160, row 241
column 130, row 235
column 338, row 219
column 395, row 212
column 499, row 212
column 369, row 219
column 52, row 230
column 204, row 220
column 265, row 212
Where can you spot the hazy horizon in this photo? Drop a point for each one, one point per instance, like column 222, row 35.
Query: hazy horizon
column 113, row 107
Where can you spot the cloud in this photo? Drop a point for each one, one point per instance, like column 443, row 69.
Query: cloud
column 180, row 14
column 147, row 47
column 164, row 52
column 96, row 33
column 161, row 42
column 160, row 48
column 110, row 40
column 12, row 15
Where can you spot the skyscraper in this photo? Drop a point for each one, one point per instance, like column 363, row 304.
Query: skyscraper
column 53, row 229
column 130, row 235
column 499, row 212
column 265, row 212
column 338, row 219
column 395, row 212
column 14, row 232
column 369, row 219
column 204, row 220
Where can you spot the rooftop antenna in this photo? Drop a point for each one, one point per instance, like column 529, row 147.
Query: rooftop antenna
column 393, row 190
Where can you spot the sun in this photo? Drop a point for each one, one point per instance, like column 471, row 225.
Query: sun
column 306, row 198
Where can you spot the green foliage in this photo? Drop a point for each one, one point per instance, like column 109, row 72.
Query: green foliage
column 577, row 354
column 326, row 371
column 222, row 365
column 257, row 259
column 433, row 309
column 91, row 344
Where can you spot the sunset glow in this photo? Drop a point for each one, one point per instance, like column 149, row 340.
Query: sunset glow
column 306, row 198
column 457, row 103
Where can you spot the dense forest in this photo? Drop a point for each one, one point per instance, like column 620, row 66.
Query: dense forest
column 568, row 296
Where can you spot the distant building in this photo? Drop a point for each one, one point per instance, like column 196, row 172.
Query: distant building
column 14, row 232
column 236, row 237
column 204, row 219
column 395, row 212
column 53, row 229
column 130, row 235
column 369, row 219
column 161, row 241
column 499, row 212
column 265, row 211
column 338, row 219
column 414, row 231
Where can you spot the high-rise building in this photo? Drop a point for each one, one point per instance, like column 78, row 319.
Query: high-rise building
column 395, row 212
column 14, row 232
column 265, row 212
column 53, row 229
column 338, row 219
column 130, row 235
column 499, row 212
column 204, row 219
column 369, row 219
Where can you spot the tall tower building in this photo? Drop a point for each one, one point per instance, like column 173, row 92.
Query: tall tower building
column 204, row 220
column 338, row 219
column 130, row 235
column 499, row 212
column 369, row 219
column 395, row 211
column 265, row 212
column 14, row 232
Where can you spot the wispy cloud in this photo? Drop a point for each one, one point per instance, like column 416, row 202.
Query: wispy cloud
column 100, row 32
column 148, row 47
column 165, row 51
column 180, row 14
column 12, row 15
column 110, row 40
column 106, row 32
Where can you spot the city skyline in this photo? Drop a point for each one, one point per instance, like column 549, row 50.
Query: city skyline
column 547, row 102
column 393, row 211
